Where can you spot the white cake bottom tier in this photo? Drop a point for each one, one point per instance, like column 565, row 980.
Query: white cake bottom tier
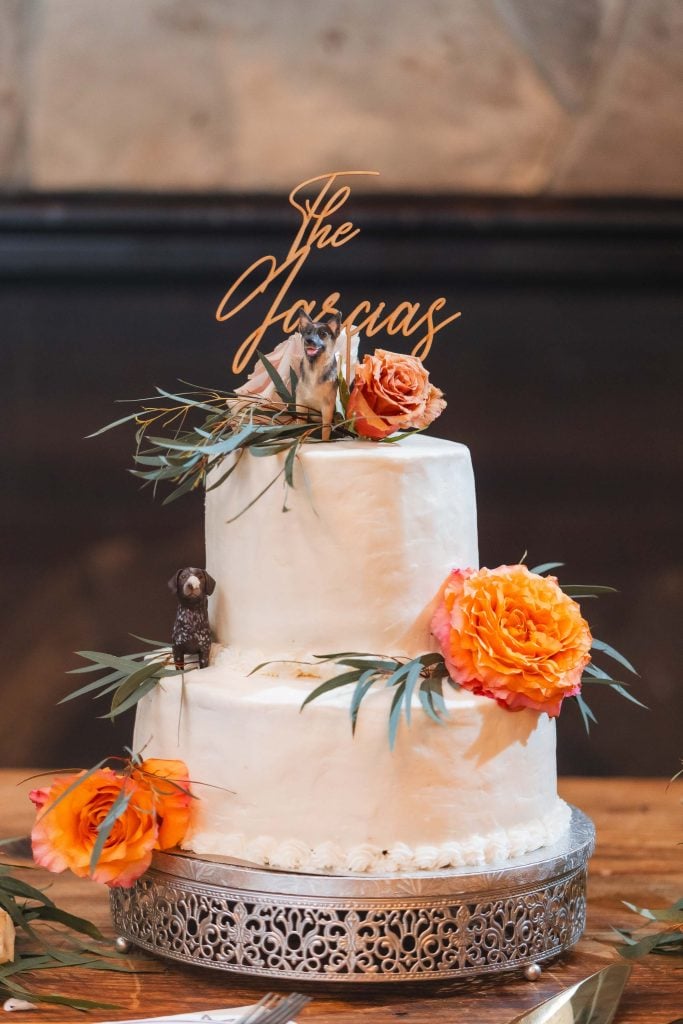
column 296, row 790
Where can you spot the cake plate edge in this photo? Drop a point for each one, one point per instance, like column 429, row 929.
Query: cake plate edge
column 304, row 927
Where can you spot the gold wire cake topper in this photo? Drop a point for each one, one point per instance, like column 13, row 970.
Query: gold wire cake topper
column 315, row 232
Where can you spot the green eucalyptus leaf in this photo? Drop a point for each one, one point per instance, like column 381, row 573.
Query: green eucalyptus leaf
column 600, row 645
column 116, row 423
column 185, row 400
column 222, row 447
column 365, row 683
column 412, row 678
column 277, row 661
column 425, row 694
column 70, row 788
column 8, row 841
column 586, row 713
column 672, row 914
column 289, row 464
column 594, row 670
column 142, row 690
column 620, row 689
column 395, row 677
column 344, row 392
column 586, row 590
column 546, row 567
column 104, row 830
column 331, row 684
column 343, row 654
column 280, row 386
column 377, row 664
column 395, row 713
column 266, row 451
column 432, row 659
column 160, row 644
column 125, row 665
column 224, row 476
column 648, row 944
column 85, row 669
column 395, row 438
column 73, row 1002
column 254, row 500
column 76, row 924
column 184, row 488
column 153, row 460
column 17, row 887
column 131, row 684
column 98, row 684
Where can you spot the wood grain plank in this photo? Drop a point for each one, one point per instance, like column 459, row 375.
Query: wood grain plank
column 637, row 858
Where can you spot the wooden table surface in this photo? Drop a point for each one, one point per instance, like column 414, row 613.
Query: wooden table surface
column 638, row 858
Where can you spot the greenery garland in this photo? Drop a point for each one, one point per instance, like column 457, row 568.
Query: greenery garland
column 28, row 907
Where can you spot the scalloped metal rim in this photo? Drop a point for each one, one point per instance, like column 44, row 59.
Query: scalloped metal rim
column 307, row 927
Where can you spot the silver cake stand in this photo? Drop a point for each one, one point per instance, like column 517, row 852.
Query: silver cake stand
column 305, row 927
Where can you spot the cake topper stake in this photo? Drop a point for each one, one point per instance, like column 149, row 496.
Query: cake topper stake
column 347, row 368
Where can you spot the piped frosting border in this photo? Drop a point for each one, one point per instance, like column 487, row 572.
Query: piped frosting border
column 293, row 854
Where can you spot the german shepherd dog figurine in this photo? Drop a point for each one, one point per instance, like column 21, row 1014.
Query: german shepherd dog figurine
column 317, row 385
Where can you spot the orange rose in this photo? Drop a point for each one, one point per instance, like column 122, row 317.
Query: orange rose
column 510, row 634
column 154, row 816
column 170, row 786
column 392, row 392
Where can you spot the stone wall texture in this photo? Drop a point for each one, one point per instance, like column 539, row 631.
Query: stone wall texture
column 496, row 96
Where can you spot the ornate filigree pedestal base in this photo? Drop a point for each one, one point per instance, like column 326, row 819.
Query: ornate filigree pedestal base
column 295, row 926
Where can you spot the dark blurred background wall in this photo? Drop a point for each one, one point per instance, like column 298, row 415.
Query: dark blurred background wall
column 531, row 172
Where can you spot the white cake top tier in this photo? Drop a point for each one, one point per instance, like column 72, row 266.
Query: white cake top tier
column 371, row 532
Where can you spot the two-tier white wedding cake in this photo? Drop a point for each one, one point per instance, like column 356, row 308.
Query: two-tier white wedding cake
column 353, row 565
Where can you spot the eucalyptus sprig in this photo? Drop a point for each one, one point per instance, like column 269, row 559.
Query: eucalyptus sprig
column 423, row 676
column 127, row 678
column 665, row 940
column 183, row 436
column 593, row 673
column 36, row 948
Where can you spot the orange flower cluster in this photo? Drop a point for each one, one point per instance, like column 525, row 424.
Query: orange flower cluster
column 154, row 802
column 392, row 392
column 513, row 635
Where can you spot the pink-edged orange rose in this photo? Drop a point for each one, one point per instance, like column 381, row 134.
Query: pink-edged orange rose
column 392, row 392
column 153, row 813
column 170, row 788
column 513, row 635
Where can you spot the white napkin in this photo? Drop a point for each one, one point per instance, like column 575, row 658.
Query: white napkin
column 231, row 1015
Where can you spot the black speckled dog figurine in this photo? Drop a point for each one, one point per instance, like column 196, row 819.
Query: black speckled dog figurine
column 191, row 630
column 317, row 386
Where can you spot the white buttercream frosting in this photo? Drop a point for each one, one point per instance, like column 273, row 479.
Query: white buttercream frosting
column 477, row 851
column 296, row 790
column 371, row 532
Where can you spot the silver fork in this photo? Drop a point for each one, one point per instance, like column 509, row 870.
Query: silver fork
column 269, row 1001
column 274, row 1009
column 286, row 1010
